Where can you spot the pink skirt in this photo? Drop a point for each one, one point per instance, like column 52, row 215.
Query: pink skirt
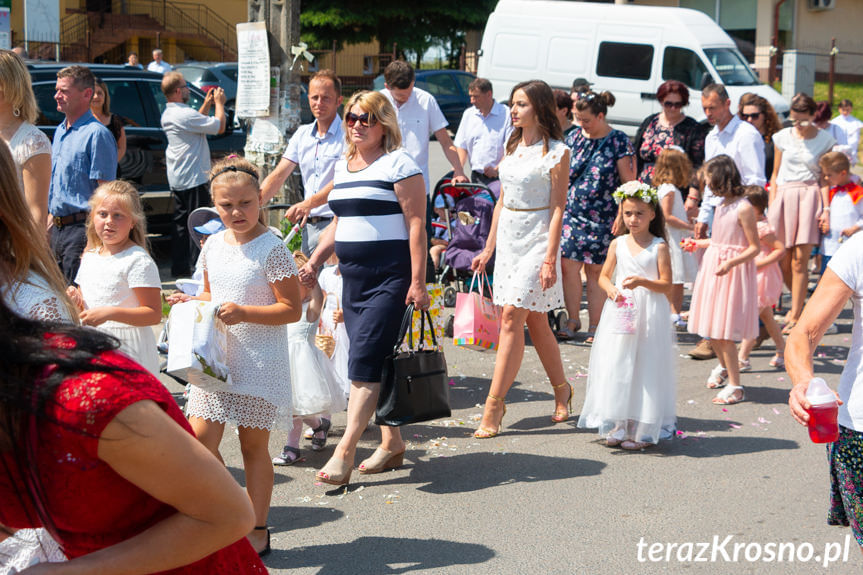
column 724, row 307
column 769, row 285
column 794, row 213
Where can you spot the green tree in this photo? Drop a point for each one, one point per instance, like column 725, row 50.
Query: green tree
column 413, row 27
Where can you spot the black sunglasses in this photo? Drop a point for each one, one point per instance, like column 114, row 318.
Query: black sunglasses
column 667, row 104
column 366, row 120
column 753, row 116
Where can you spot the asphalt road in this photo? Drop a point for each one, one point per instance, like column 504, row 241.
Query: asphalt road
column 545, row 498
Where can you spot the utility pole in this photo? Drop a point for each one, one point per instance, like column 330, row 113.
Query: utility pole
column 282, row 18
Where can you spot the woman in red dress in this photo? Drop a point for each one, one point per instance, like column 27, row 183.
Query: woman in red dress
column 95, row 449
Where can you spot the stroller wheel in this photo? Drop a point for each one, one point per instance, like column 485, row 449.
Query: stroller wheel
column 449, row 296
column 449, row 326
column 560, row 319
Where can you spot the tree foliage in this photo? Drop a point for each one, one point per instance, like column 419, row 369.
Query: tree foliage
column 412, row 26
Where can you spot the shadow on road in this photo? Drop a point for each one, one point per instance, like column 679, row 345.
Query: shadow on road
column 284, row 519
column 381, row 555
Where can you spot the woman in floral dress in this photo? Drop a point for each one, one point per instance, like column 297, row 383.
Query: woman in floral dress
column 601, row 160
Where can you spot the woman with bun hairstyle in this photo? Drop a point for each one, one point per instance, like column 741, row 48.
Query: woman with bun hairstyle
column 601, row 160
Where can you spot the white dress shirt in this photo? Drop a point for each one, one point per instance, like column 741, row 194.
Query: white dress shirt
column 317, row 156
column 743, row 143
column 851, row 126
column 188, row 154
column 484, row 137
column 160, row 67
column 419, row 118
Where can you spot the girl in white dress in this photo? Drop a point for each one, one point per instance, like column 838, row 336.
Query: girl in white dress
column 119, row 290
column 250, row 273
column 630, row 389
column 673, row 173
column 314, row 384
column 333, row 319
column 526, row 229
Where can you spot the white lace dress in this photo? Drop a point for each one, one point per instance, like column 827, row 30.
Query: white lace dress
column 109, row 280
column 258, row 357
column 28, row 141
column 33, row 299
column 522, row 229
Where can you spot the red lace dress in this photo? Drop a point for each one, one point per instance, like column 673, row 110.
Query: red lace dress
column 92, row 506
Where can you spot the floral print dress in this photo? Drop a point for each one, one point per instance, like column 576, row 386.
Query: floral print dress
column 590, row 209
column 652, row 138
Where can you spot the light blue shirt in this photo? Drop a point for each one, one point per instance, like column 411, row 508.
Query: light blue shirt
column 317, row 156
column 484, row 137
column 81, row 155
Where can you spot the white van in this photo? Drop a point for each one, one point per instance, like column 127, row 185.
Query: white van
column 627, row 50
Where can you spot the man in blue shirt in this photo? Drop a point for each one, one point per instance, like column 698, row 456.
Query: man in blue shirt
column 83, row 156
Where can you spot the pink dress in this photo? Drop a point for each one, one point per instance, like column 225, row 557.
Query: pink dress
column 769, row 277
column 725, row 307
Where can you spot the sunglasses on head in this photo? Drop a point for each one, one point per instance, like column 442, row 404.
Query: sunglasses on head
column 752, row 116
column 366, row 120
column 668, row 104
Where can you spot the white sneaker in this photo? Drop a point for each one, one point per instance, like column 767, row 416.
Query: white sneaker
column 717, row 377
column 832, row 330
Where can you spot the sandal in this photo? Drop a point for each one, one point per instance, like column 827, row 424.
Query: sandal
column 612, row 441
column 266, row 550
column 567, row 333
column 630, row 445
column 717, row 378
column 726, row 396
column 559, row 415
column 289, row 456
column 486, row 433
column 382, row 460
column 335, row 472
column 318, row 443
column 744, row 365
column 778, row 361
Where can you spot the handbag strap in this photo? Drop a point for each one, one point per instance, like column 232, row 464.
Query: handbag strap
column 405, row 331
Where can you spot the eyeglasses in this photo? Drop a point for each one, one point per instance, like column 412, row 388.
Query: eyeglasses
column 667, row 104
column 366, row 120
column 752, row 116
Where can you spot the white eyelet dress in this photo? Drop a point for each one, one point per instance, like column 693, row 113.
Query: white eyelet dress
column 522, row 229
column 258, row 358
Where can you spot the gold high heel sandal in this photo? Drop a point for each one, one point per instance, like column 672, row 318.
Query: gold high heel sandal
column 381, row 460
column 561, row 416
column 486, row 433
column 335, row 472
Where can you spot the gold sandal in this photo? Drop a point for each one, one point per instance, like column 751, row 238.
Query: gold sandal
column 486, row 433
column 560, row 416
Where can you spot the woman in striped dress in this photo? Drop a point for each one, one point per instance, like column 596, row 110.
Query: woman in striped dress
column 378, row 197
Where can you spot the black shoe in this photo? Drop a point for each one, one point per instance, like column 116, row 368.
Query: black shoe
column 266, row 550
column 318, row 443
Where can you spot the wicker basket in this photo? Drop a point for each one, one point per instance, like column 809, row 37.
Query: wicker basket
column 324, row 340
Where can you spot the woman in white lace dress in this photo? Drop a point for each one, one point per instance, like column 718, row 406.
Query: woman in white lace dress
column 31, row 149
column 526, row 230
column 32, row 286
column 250, row 273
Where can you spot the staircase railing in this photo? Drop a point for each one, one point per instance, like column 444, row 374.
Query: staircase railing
column 73, row 29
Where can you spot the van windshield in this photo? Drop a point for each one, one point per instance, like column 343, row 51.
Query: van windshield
column 732, row 67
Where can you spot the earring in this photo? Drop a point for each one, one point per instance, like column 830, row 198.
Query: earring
column 16, row 112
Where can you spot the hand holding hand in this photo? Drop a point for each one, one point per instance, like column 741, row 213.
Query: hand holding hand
column 308, row 275
column 231, row 313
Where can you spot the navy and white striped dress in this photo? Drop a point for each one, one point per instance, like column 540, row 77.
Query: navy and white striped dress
column 374, row 258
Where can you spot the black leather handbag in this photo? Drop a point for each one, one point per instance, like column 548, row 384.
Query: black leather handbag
column 413, row 382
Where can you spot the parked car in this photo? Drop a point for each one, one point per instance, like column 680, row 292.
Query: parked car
column 449, row 88
column 208, row 75
column 136, row 96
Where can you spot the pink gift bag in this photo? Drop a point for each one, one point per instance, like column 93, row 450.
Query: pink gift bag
column 477, row 319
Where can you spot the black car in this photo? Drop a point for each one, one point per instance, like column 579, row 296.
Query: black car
column 136, row 96
column 449, row 88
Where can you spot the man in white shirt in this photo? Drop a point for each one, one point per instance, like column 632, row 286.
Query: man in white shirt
column 188, row 160
column 851, row 126
column 315, row 148
column 419, row 117
column 158, row 64
column 482, row 134
column 730, row 136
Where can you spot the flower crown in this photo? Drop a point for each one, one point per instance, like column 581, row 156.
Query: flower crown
column 636, row 189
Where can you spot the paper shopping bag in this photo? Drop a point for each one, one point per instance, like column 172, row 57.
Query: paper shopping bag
column 435, row 311
column 197, row 345
column 477, row 319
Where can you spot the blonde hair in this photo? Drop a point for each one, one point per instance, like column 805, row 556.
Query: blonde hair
column 236, row 170
column 16, row 86
column 378, row 107
column 672, row 167
column 24, row 244
column 131, row 202
column 300, row 258
column 834, row 162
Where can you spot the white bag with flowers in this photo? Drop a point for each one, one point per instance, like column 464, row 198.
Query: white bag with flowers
column 197, row 345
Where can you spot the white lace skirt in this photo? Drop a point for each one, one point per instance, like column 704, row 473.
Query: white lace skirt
column 241, row 410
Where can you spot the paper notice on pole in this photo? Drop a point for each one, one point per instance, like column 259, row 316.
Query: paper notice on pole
column 253, row 75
